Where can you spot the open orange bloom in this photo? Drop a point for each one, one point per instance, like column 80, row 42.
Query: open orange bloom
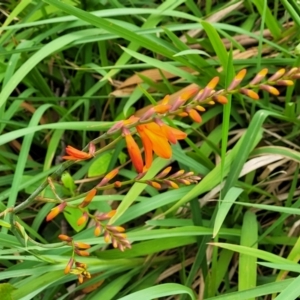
column 75, row 154
column 156, row 138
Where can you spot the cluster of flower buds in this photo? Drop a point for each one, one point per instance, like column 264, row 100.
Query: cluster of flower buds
column 80, row 270
column 116, row 235
column 79, row 248
column 173, row 181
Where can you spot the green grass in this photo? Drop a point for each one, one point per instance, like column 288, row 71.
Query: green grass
column 64, row 72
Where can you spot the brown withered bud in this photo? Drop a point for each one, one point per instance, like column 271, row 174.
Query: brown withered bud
column 251, row 94
column 237, row 79
column 69, row 266
column 92, row 149
column 80, row 265
column 270, row 89
column 83, row 219
column 88, row 198
column 259, row 77
column 65, row 238
column 55, row 211
column 140, row 175
column 116, row 127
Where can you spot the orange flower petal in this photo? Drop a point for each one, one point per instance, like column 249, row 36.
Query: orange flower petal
column 134, row 153
column 180, row 135
column 77, row 153
column 160, row 144
column 147, row 147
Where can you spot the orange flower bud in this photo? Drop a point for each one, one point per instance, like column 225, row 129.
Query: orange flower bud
column 88, row 198
column 80, row 278
column 130, row 121
column 106, row 237
column 164, row 173
column 194, row 115
column 285, row 82
column 154, row 184
column 83, row 219
column 82, row 252
column 270, row 89
column 178, row 174
column 65, row 238
column 277, row 75
column 55, row 211
column 184, row 181
column 200, row 108
column 172, row 184
column 81, row 245
column 259, row 77
column 183, row 114
column 117, row 184
column 221, row 99
column 251, row 94
column 237, row 79
column 133, row 151
column 97, row 230
column 108, row 177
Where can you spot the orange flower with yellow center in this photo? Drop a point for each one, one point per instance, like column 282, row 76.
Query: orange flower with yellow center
column 156, row 138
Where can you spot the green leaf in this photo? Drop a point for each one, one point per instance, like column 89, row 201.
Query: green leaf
column 247, row 263
column 99, row 165
column 68, row 182
column 72, row 215
column 162, row 290
column 224, row 207
column 6, row 290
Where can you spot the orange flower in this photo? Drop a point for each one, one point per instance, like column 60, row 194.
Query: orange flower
column 75, row 154
column 156, row 138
